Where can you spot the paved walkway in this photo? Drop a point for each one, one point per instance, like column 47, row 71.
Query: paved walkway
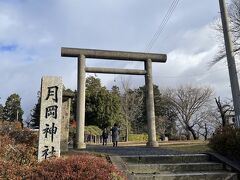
column 132, row 149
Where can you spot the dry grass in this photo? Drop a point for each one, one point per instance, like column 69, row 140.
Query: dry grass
column 190, row 147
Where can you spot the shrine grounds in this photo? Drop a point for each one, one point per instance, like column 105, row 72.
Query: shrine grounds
column 18, row 156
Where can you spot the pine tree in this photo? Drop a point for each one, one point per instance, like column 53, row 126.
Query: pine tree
column 102, row 106
column 35, row 114
column 1, row 112
column 12, row 110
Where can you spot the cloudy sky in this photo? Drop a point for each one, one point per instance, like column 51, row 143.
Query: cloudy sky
column 32, row 33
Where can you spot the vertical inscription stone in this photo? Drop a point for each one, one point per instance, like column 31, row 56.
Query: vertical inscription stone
column 50, row 117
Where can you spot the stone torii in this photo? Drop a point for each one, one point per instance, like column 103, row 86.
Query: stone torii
column 147, row 58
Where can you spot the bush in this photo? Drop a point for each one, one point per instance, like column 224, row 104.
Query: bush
column 27, row 137
column 20, row 154
column 10, row 170
column 226, row 142
column 5, row 140
column 7, row 126
column 16, row 160
column 84, row 166
column 89, row 130
column 138, row 137
column 93, row 130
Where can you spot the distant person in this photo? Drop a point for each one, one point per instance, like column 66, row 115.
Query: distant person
column 105, row 136
column 115, row 135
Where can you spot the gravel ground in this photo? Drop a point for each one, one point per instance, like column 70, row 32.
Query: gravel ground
column 127, row 150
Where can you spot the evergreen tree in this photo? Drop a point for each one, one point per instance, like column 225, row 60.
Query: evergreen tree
column 12, row 110
column 93, row 89
column 163, row 111
column 170, row 115
column 35, row 113
column 116, row 111
column 157, row 103
column 102, row 106
column 1, row 112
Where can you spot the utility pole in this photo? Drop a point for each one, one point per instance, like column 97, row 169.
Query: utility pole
column 231, row 63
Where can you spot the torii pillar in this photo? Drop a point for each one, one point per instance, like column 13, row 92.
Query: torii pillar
column 81, row 86
column 147, row 58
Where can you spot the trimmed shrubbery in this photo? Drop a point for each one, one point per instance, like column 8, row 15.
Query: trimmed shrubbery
column 138, row 137
column 93, row 130
column 17, row 151
column 226, row 142
column 18, row 160
column 83, row 166
column 26, row 136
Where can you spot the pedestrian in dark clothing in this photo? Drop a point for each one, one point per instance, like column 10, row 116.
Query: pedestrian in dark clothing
column 115, row 135
column 105, row 136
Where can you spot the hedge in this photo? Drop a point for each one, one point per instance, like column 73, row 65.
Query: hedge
column 137, row 137
column 226, row 142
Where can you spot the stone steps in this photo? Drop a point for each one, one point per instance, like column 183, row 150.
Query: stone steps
column 174, row 167
column 185, row 158
column 187, row 176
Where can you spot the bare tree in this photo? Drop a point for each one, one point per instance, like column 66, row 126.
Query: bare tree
column 131, row 102
column 223, row 109
column 209, row 123
column 234, row 18
column 190, row 105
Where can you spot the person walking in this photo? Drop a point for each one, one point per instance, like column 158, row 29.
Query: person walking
column 115, row 135
column 105, row 136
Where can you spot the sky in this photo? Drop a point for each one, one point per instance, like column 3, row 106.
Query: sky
column 32, row 33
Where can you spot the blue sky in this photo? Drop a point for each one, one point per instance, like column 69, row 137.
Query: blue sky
column 8, row 47
column 33, row 32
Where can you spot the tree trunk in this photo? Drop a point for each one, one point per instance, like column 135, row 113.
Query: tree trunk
column 195, row 137
column 219, row 105
column 206, row 132
column 188, row 135
column 126, row 134
column 127, row 130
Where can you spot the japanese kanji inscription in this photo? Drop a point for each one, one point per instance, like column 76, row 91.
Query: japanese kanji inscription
column 50, row 118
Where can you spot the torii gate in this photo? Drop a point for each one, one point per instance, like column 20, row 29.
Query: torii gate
column 147, row 58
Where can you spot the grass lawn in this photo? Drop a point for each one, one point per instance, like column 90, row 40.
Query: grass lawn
column 200, row 147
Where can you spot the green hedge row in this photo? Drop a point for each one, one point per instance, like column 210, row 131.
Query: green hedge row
column 137, row 137
column 93, row 130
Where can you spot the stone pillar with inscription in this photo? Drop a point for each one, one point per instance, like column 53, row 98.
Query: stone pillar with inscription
column 50, row 117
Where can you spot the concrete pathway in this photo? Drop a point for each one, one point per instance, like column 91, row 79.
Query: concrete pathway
column 137, row 149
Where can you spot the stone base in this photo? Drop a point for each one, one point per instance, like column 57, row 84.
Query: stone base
column 81, row 146
column 64, row 146
column 152, row 144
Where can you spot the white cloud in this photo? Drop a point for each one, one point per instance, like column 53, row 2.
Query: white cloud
column 189, row 64
column 40, row 28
